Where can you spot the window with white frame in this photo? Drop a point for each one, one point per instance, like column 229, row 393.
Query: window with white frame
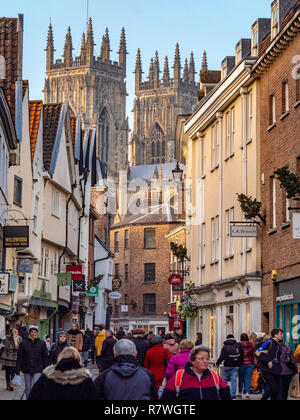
column 44, row 265
column 214, row 146
column 213, row 240
column 254, row 51
column 275, row 20
column 203, row 244
column 228, row 140
column 231, row 219
column 273, row 202
column 227, row 236
column 250, row 116
column 203, row 157
column 285, row 97
column 232, row 129
column 272, row 109
column 217, row 232
column 55, row 203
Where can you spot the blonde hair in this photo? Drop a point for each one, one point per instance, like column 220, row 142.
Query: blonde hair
column 186, row 345
column 69, row 353
column 16, row 338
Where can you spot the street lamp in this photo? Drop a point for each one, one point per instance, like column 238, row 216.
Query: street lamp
column 177, row 173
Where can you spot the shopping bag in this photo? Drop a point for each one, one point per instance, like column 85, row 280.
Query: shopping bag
column 295, row 387
column 17, row 381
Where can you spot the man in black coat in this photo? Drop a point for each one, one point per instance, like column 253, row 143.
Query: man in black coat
column 86, row 347
column 141, row 344
column 107, row 352
column 32, row 359
column 58, row 347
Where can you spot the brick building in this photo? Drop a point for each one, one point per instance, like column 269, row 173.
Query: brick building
column 280, row 146
column 142, row 262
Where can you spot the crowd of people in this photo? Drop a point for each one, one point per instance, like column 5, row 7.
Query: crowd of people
column 165, row 367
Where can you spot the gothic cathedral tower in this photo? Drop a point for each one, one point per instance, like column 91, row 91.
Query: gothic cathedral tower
column 158, row 103
column 95, row 88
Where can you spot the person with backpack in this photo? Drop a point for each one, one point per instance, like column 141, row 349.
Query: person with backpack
column 269, row 355
column 196, row 381
column 247, row 367
column 288, row 370
column 232, row 355
column 157, row 359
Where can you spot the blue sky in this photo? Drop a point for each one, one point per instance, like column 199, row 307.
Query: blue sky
column 215, row 26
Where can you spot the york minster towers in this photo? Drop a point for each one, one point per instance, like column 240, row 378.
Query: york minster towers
column 95, row 87
column 158, row 103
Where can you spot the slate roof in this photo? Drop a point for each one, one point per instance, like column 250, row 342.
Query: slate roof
column 9, row 50
column 51, row 115
column 35, row 111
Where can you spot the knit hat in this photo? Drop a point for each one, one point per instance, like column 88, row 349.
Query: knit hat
column 33, row 327
column 229, row 336
column 61, row 333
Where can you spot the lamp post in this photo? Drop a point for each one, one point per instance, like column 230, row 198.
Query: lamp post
column 177, row 173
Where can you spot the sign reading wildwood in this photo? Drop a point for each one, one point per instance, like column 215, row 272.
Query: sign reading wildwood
column 16, row 236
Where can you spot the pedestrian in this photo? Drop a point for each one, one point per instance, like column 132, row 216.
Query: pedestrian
column 68, row 380
column 86, row 346
column 196, row 381
column 120, row 334
column 179, row 335
column 142, row 345
column 232, row 355
column 247, row 367
column 288, row 370
column 58, row 347
column 98, row 345
column 126, row 380
column 32, row 359
column 22, row 330
column 171, row 345
column 161, row 333
column 180, row 360
column 74, row 337
column 157, row 359
column 89, row 332
column 198, row 339
column 253, row 338
column 8, row 356
column 47, row 340
column 269, row 355
column 107, row 353
column 93, row 348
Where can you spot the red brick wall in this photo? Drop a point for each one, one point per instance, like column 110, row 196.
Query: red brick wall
column 280, row 146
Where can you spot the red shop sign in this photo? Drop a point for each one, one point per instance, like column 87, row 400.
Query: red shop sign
column 175, row 280
column 76, row 271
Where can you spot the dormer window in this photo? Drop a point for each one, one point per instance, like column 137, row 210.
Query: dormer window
column 275, row 20
column 223, row 71
column 254, row 51
column 238, row 55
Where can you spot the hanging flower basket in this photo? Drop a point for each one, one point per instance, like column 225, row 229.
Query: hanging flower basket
column 188, row 310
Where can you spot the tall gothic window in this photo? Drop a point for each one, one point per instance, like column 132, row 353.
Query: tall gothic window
column 158, row 144
column 104, row 135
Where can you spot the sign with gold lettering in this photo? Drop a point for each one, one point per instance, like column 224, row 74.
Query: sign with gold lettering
column 16, row 236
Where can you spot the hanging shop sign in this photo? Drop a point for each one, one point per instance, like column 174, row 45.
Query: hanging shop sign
column 64, row 279
column 243, row 231
column 115, row 295
column 93, row 291
column 296, row 225
column 25, row 265
column 75, row 270
column 175, row 280
column 79, row 285
column 4, row 284
column 178, row 288
column 16, row 236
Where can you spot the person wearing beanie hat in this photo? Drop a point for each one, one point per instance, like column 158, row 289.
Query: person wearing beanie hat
column 32, row 358
column 58, row 347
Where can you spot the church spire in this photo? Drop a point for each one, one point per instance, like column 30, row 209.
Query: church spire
column 192, row 69
column 177, row 66
column 68, row 59
column 105, row 48
column 156, row 71
column 90, row 41
column 186, row 72
column 151, row 72
column 204, row 62
column 50, row 49
column 138, row 70
column 123, row 50
column 166, row 76
column 83, row 49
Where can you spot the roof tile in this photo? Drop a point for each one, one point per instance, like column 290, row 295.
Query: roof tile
column 51, row 115
column 35, row 110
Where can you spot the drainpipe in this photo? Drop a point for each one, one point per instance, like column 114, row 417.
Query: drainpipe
column 83, row 194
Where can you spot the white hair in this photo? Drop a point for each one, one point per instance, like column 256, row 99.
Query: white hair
column 124, row 347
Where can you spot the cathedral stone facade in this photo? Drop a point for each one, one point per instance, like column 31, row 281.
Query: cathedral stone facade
column 158, row 103
column 95, row 88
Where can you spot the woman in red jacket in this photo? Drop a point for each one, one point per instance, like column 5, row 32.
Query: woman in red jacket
column 157, row 359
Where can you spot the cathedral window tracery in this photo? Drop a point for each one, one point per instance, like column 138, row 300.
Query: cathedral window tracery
column 104, row 135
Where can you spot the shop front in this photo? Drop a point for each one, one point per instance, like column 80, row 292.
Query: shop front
column 41, row 312
column 288, row 310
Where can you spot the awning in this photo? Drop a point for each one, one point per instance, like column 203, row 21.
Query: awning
column 43, row 303
column 5, row 309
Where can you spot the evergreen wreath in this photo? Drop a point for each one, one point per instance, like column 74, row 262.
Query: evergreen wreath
column 250, row 207
column 289, row 181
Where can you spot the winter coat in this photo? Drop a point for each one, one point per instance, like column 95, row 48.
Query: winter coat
column 194, row 389
column 87, row 344
column 107, row 353
column 99, row 342
column 55, row 351
column 142, row 346
column 9, row 353
column 226, row 354
column 179, row 338
column 67, row 381
column 297, row 356
column 286, row 352
column 172, row 346
column 32, row 356
column 249, row 352
column 155, row 361
column 269, row 351
column 177, row 362
column 78, row 339
column 23, row 333
column 126, row 381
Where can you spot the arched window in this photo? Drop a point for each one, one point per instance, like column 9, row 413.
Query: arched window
column 163, row 148
column 104, row 135
column 158, row 149
column 157, row 137
column 153, row 149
